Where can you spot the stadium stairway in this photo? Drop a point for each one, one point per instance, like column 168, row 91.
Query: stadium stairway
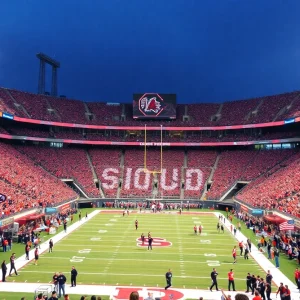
column 52, row 111
column 18, row 105
column 254, row 112
column 285, row 109
column 95, row 177
column 209, row 180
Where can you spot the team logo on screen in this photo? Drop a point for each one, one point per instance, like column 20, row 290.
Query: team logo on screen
column 151, row 104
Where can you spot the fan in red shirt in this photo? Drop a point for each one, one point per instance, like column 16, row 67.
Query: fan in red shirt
column 231, row 280
column 281, row 291
column 287, row 293
column 234, row 254
column 195, row 229
column 241, row 246
column 256, row 296
column 200, row 229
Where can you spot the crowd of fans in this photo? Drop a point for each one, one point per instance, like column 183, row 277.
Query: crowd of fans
column 258, row 110
column 244, row 165
column 26, row 185
column 271, row 237
column 272, row 176
column 279, row 190
column 65, row 164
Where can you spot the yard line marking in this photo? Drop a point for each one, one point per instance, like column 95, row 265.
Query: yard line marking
column 128, row 274
column 142, row 253
column 147, row 260
column 113, row 246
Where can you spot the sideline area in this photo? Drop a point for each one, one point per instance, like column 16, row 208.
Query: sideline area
column 123, row 292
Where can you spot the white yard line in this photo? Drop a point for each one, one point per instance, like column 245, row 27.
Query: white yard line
column 136, row 274
column 113, row 290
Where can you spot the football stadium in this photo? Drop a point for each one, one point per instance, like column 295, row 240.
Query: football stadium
column 156, row 197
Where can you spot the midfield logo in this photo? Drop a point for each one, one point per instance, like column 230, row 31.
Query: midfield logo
column 157, row 242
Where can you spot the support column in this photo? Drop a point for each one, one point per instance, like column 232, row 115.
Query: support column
column 41, row 87
column 54, row 82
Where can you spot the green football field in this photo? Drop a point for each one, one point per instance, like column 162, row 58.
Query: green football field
column 104, row 251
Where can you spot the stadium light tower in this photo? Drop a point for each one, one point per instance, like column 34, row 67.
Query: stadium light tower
column 45, row 59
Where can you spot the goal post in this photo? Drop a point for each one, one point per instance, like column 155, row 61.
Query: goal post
column 146, row 169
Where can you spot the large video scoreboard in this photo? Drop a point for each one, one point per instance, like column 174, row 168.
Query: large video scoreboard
column 154, row 106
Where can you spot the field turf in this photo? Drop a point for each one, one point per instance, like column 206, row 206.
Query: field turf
column 104, row 251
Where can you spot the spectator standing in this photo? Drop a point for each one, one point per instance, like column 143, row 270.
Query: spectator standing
column 253, row 283
column 269, row 277
column 55, row 281
column 241, row 246
column 268, row 291
column 231, row 280
column 5, row 244
column 61, row 279
column 281, row 291
column 143, row 239
column 27, row 249
column 287, row 293
column 65, row 225
column 276, row 257
column 262, row 288
column 150, row 240
column 246, row 253
column 74, row 274
column 249, row 244
column 169, row 276
column 213, row 276
column 50, row 245
column 269, row 247
column 36, row 255
column 248, row 283
column 234, row 254
column 4, row 270
column 12, row 264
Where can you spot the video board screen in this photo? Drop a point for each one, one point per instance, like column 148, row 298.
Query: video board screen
column 154, row 106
